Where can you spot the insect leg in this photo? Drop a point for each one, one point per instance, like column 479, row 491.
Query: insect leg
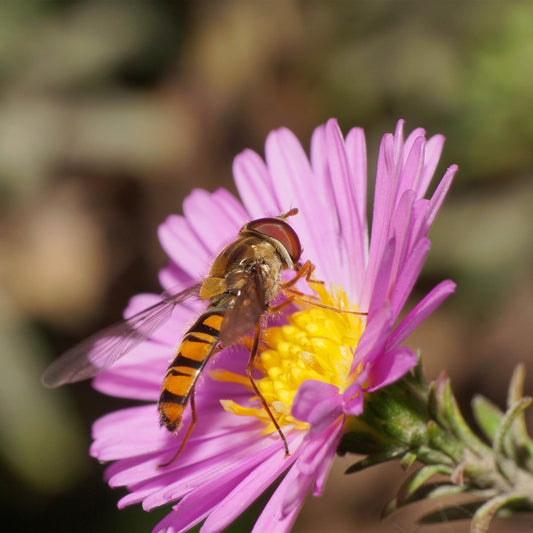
column 249, row 369
column 277, row 308
column 305, row 270
column 294, row 295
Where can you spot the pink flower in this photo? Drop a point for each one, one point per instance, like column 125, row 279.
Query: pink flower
column 317, row 364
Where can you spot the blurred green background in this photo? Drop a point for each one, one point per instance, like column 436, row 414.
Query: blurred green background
column 111, row 111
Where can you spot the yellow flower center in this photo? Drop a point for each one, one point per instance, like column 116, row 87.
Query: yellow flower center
column 317, row 343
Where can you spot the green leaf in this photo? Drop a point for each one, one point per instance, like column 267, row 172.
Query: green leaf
column 372, row 460
column 516, row 385
column 426, row 492
column 502, row 436
column 457, row 423
column 484, row 515
column 407, row 460
column 420, row 477
column 487, row 416
column 523, row 444
column 449, row 514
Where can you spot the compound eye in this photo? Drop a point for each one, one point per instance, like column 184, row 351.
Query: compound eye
column 281, row 231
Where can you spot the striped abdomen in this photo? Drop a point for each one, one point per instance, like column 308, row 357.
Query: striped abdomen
column 197, row 346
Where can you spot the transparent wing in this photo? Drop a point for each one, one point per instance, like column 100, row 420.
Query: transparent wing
column 99, row 351
column 240, row 318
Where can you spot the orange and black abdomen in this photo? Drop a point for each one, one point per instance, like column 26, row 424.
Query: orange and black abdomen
column 197, row 346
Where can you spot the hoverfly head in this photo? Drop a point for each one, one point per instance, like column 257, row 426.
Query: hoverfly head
column 277, row 231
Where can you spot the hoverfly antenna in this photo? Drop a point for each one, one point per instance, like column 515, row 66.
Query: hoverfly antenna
column 289, row 213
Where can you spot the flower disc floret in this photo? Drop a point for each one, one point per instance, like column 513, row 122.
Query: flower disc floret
column 317, row 343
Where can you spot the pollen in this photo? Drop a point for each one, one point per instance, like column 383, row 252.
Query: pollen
column 317, row 343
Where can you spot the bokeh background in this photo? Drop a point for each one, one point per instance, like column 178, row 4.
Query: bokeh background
column 111, row 111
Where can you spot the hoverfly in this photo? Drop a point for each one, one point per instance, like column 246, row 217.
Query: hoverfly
column 242, row 283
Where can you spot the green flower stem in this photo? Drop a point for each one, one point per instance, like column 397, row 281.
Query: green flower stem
column 414, row 421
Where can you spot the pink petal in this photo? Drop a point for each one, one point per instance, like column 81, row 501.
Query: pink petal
column 234, row 212
column 255, row 186
column 381, row 282
column 383, row 203
column 291, row 175
column 420, row 312
column 390, row 367
column 353, row 397
column 111, row 442
column 325, row 229
column 398, row 141
column 243, row 495
column 317, row 403
column 183, row 247
column 183, row 479
column 133, row 384
column 210, row 222
column 351, row 243
column 323, row 468
column 315, row 451
column 432, row 154
column 172, row 276
column 356, row 152
column 412, row 166
column 374, row 337
column 284, row 505
column 408, row 275
column 419, row 227
column 440, row 193
column 400, row 230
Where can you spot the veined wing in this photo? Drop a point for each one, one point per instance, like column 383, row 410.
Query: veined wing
column 99, row 351
column 249, row 305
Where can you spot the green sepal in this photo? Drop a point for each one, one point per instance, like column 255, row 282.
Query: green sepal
column 441, row 441
column 394, row 420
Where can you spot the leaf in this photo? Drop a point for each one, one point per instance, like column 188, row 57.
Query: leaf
column 502, row 435
column 463, row 511
column 372, row 460
column 484, row 515
column 522, row 442
column 457, row 423
column 426, row 492
column 415, row 481
column 487, row 416
column 407, row 460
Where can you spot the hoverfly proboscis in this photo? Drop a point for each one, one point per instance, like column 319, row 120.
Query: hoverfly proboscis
column 242, row 283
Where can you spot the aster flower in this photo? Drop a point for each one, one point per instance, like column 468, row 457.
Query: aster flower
column 316, row 366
